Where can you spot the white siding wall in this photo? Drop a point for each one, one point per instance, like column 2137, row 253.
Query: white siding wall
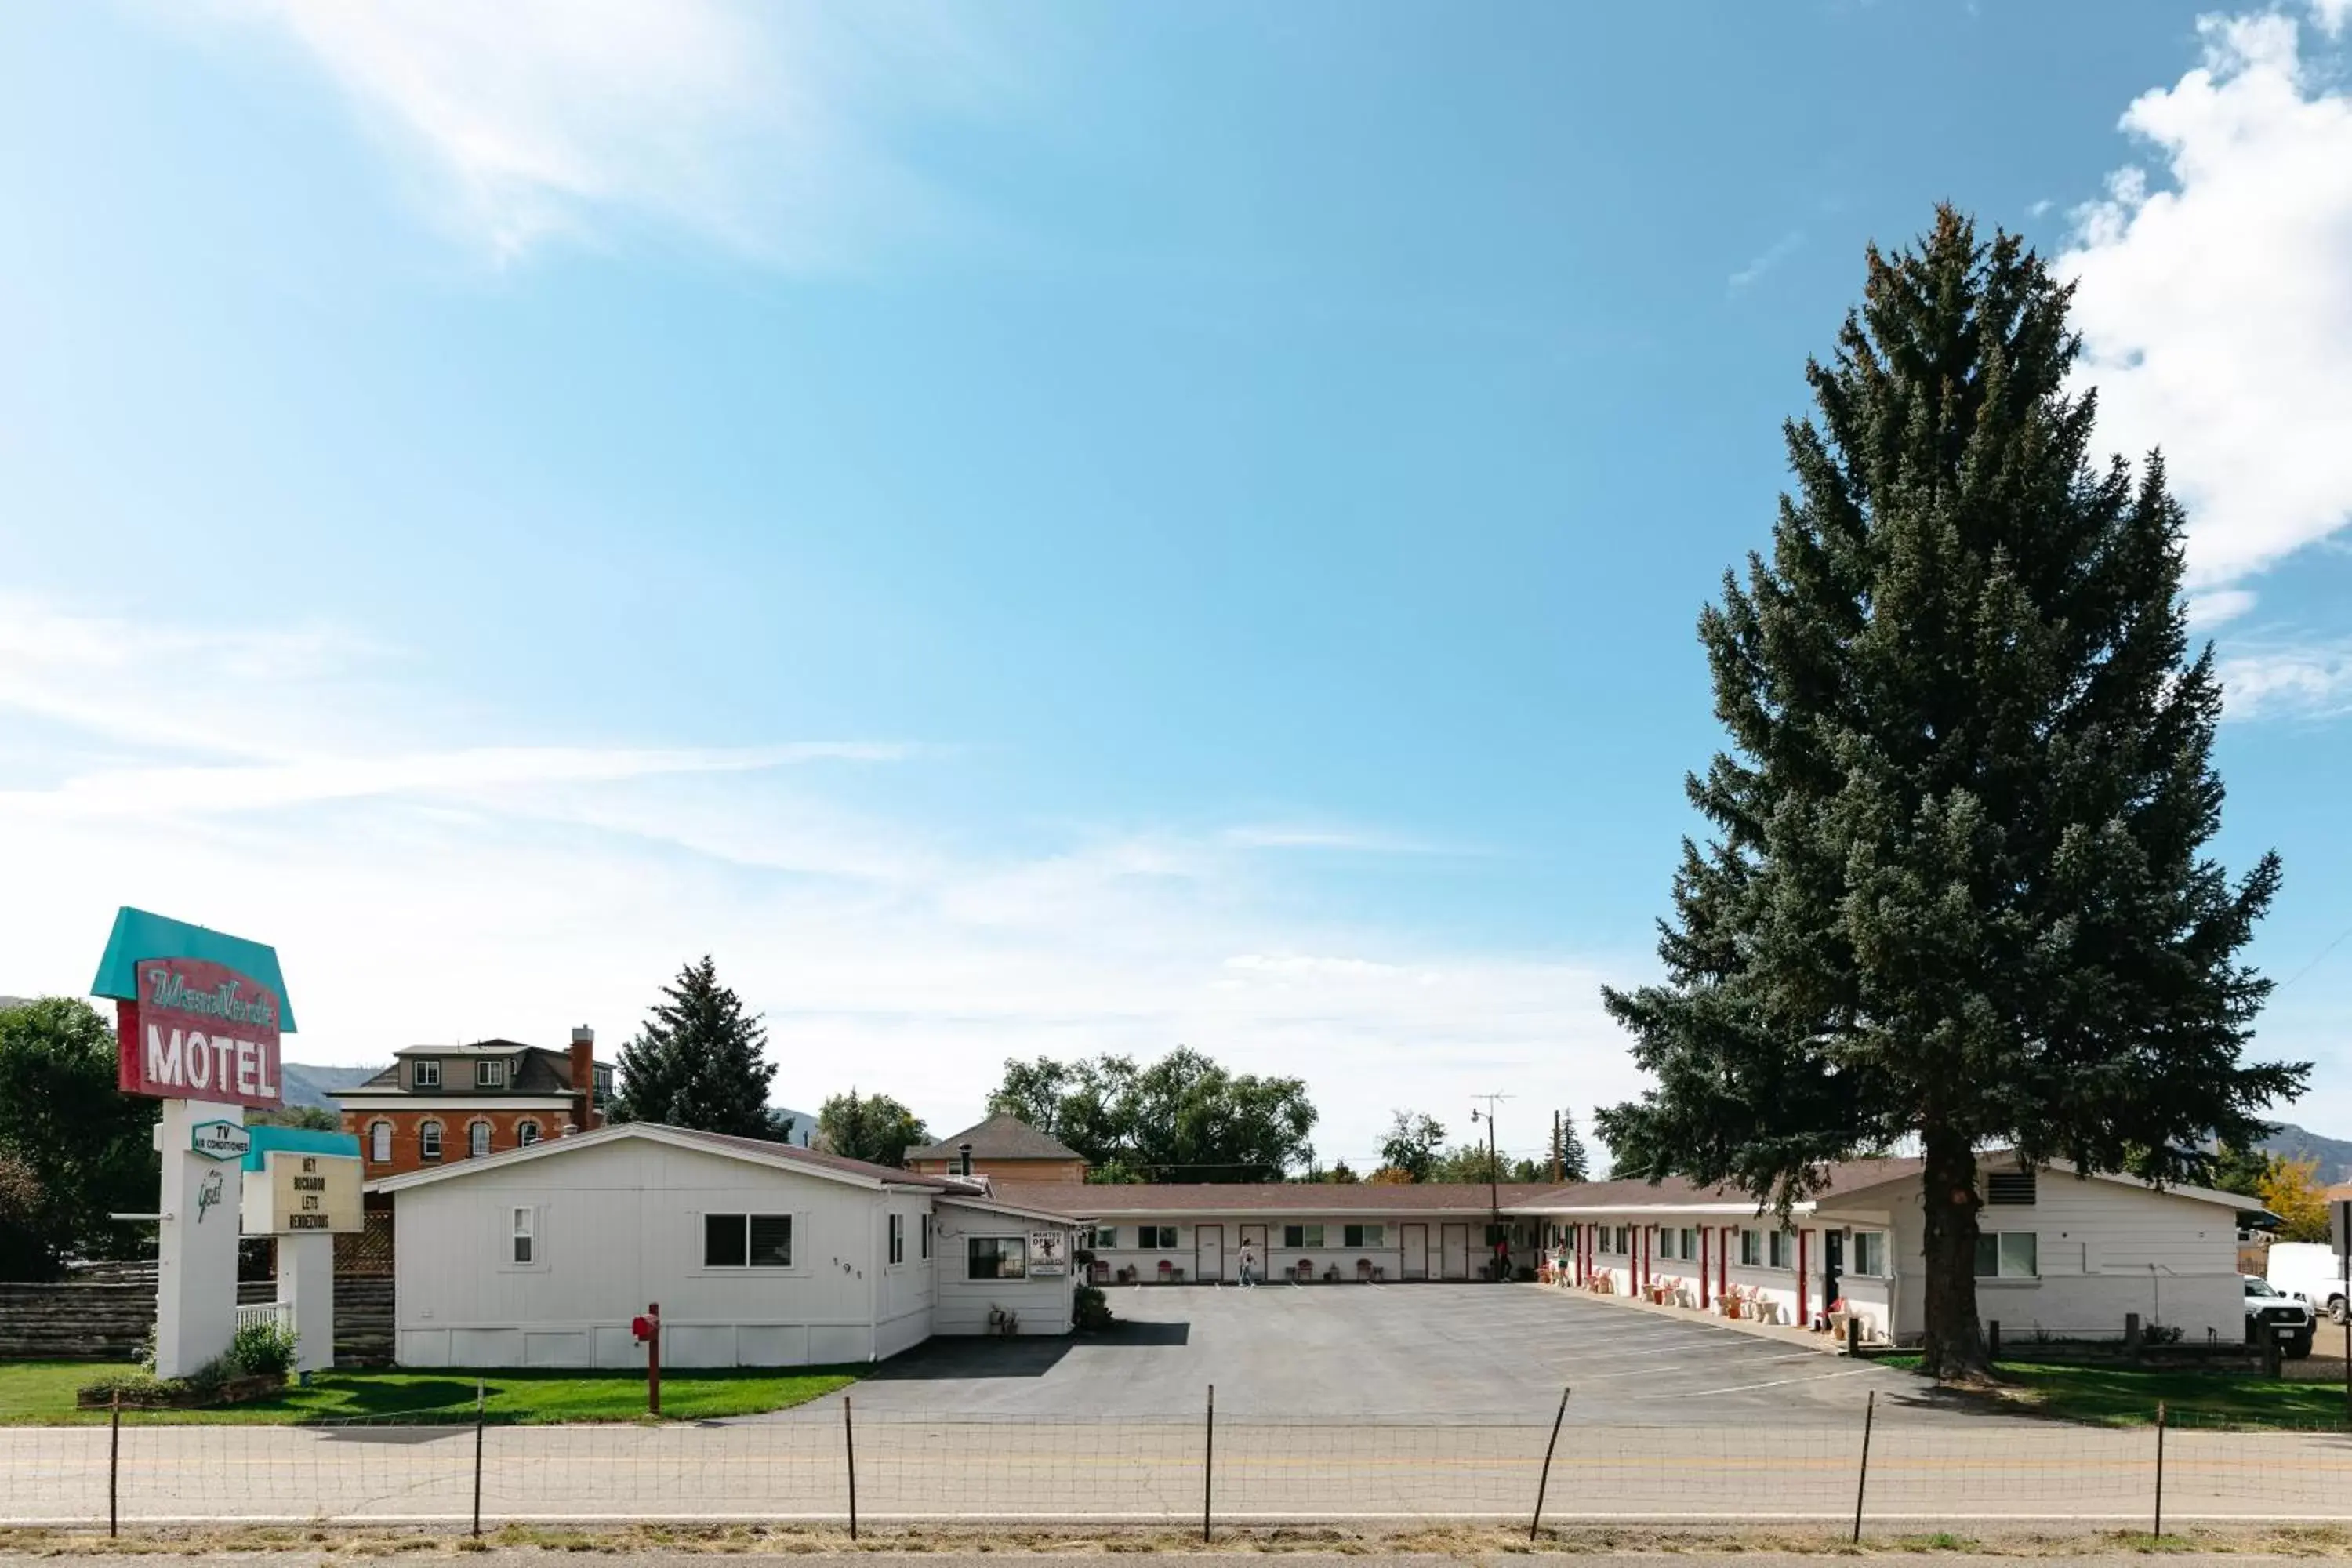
column 1041, row 1305
column 619, row 1226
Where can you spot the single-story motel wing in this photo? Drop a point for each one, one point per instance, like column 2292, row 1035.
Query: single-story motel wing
column 764, row 1254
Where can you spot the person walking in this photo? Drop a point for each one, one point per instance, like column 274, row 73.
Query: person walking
column 1249, row 1268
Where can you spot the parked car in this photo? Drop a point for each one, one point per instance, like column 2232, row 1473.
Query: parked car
column 2270, row 1311
column 2310, row 1270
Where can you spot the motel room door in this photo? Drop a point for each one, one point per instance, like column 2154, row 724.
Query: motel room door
column 1455, row 1240
column 1412, row 1244
column 1208, row 1253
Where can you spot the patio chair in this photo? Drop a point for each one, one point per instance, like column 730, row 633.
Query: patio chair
column 1364, row 1269
column 1305, row 1273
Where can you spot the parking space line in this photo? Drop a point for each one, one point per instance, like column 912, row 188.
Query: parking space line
column 1777, row 1382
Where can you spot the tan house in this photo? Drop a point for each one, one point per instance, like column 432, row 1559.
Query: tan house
column 1004, row 1147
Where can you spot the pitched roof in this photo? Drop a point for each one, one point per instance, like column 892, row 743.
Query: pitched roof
column 539, row 1069
column 1154, row 1199
column 1001, row 1137
column 756, row 1151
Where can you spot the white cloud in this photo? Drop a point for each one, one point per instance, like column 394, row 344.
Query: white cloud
column 2211, row 609
column 765, row 128
column 2312, row 682
column 1771, row 256
column 2214, row 307
column 520, row 888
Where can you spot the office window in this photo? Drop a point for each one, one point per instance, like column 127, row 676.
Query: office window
column 526, row 1134
column 2008, row 1188
column 523, row 1236
column 1751, row 1249
column 380, row 1142
column 1156, row 1238
column 747, row 1241
column 898, row 1238
column 996, row 1258
column 1302, row 1237
column 478, row 1138
column 1870, row 1253
column 425, row 1073
column 489, row 1075
column 1106, row 1236
column 2008, row 1255
column 428, row 1140
column 1365, row 1235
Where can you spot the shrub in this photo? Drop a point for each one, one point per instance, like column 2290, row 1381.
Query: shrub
column 1090, row 1308
column 131, row 1385
column 263, row 1348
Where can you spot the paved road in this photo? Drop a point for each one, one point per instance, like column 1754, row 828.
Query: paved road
column 534, row 1557
column 1367, row 1351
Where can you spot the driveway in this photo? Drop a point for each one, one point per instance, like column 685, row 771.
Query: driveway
column 1361, row 1352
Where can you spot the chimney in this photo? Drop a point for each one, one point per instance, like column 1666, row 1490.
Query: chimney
column 963, row 1152
column 583, row 1077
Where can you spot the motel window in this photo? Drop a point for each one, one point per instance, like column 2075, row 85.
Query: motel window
column 996, row 1258
column 428, row 1140
column 1784, row 1248
column 1365, row 1235
column 1156, row 1238
column 526, row 1134
column 524, row 1235
column 380, row 1142
column 747, row 1241
column 1302, row 1236
column 1689, row 1244
column 1666, row 1243
column 1625, row 1241
column 898, row 1238
column 2008, row 1255
column 490, row 1074
column 478, row 1138
column 425, row 1073
column 1106, row 1237
column 1751, row 1249
column 1870, row 1253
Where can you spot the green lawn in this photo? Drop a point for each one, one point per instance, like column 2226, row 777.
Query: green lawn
column 41, row 1393
column 2127, row 1396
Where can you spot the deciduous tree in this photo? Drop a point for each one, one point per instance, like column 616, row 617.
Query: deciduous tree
column 75, row 1147
column 1958, row 892
column 874, row 1128
column 1183, row 1118
column 1414, row 1143
column 2291, row 1190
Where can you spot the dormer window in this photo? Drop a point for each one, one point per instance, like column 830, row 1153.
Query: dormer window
column 490, row 1073
column 602, row 1079
column 425, row 1073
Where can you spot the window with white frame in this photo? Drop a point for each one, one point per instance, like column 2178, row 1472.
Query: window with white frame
column 478, row 1138
column 1870, row 1253
column 428, row 1140
column 1688, row 1244
column 996, row 1258
column 425, row 1073
column 523, row 1235
column 2008, row 1255
column 1665, row 1243
column 747, row 1241
column 1364, row 1235
column 1156, row 1238
column 380, row 1142
column 1304, row 1237
column 1783, row 1249
column 1751, row 1248
column 1105, row 1237
column 490, row 1073
column 898, row 1238
column 526, row 1134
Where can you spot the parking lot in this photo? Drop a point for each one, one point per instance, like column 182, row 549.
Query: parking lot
column 1351, row 1351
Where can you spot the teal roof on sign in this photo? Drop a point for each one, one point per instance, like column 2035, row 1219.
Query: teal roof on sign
column 298, row 1140
column 139, row 935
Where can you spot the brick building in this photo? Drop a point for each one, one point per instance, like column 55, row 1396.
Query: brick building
column 1004, row 1147
column 441, row 1103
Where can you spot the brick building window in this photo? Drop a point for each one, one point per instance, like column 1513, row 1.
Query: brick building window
column 526, row 1134
column 478, row 1138
column 428, row 1140
column 380, row 1142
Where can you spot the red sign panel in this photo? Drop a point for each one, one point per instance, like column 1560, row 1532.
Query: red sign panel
column 199, row 1031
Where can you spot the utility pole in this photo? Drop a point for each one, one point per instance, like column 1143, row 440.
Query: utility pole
column 1497, row 1250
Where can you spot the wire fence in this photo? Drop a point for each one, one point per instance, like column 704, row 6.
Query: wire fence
column 834, row 1463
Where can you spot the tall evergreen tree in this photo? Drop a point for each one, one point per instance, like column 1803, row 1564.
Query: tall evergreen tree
column 699, row 1061
column 1958, row 893
column 1575, row 1165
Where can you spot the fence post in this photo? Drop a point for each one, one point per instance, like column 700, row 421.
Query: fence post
column 849, row 1453
column 2160, row 1467
column 1862, row 1474
column 1209, row 1462
column 1543, row 1481
column 1854, row 1335
column 481, row 1403
column 115, row 1464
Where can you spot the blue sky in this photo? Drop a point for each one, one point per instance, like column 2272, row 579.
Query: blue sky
column 1051, row 528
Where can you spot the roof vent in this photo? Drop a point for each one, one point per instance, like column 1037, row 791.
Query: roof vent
column 2010, row 1188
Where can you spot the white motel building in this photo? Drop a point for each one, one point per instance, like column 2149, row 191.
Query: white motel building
column 764, row 1254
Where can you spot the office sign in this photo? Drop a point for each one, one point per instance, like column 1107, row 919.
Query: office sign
column 1049, row 1253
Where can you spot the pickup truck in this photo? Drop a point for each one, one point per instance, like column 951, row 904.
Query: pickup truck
column 2270, row 1311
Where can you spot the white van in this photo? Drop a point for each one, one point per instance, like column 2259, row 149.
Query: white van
column 2309, row 1269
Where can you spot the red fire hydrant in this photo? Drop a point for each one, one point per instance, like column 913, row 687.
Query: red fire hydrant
column 647, row 1332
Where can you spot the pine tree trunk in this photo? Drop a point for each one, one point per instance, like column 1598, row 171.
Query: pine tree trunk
column 1954, row 1346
